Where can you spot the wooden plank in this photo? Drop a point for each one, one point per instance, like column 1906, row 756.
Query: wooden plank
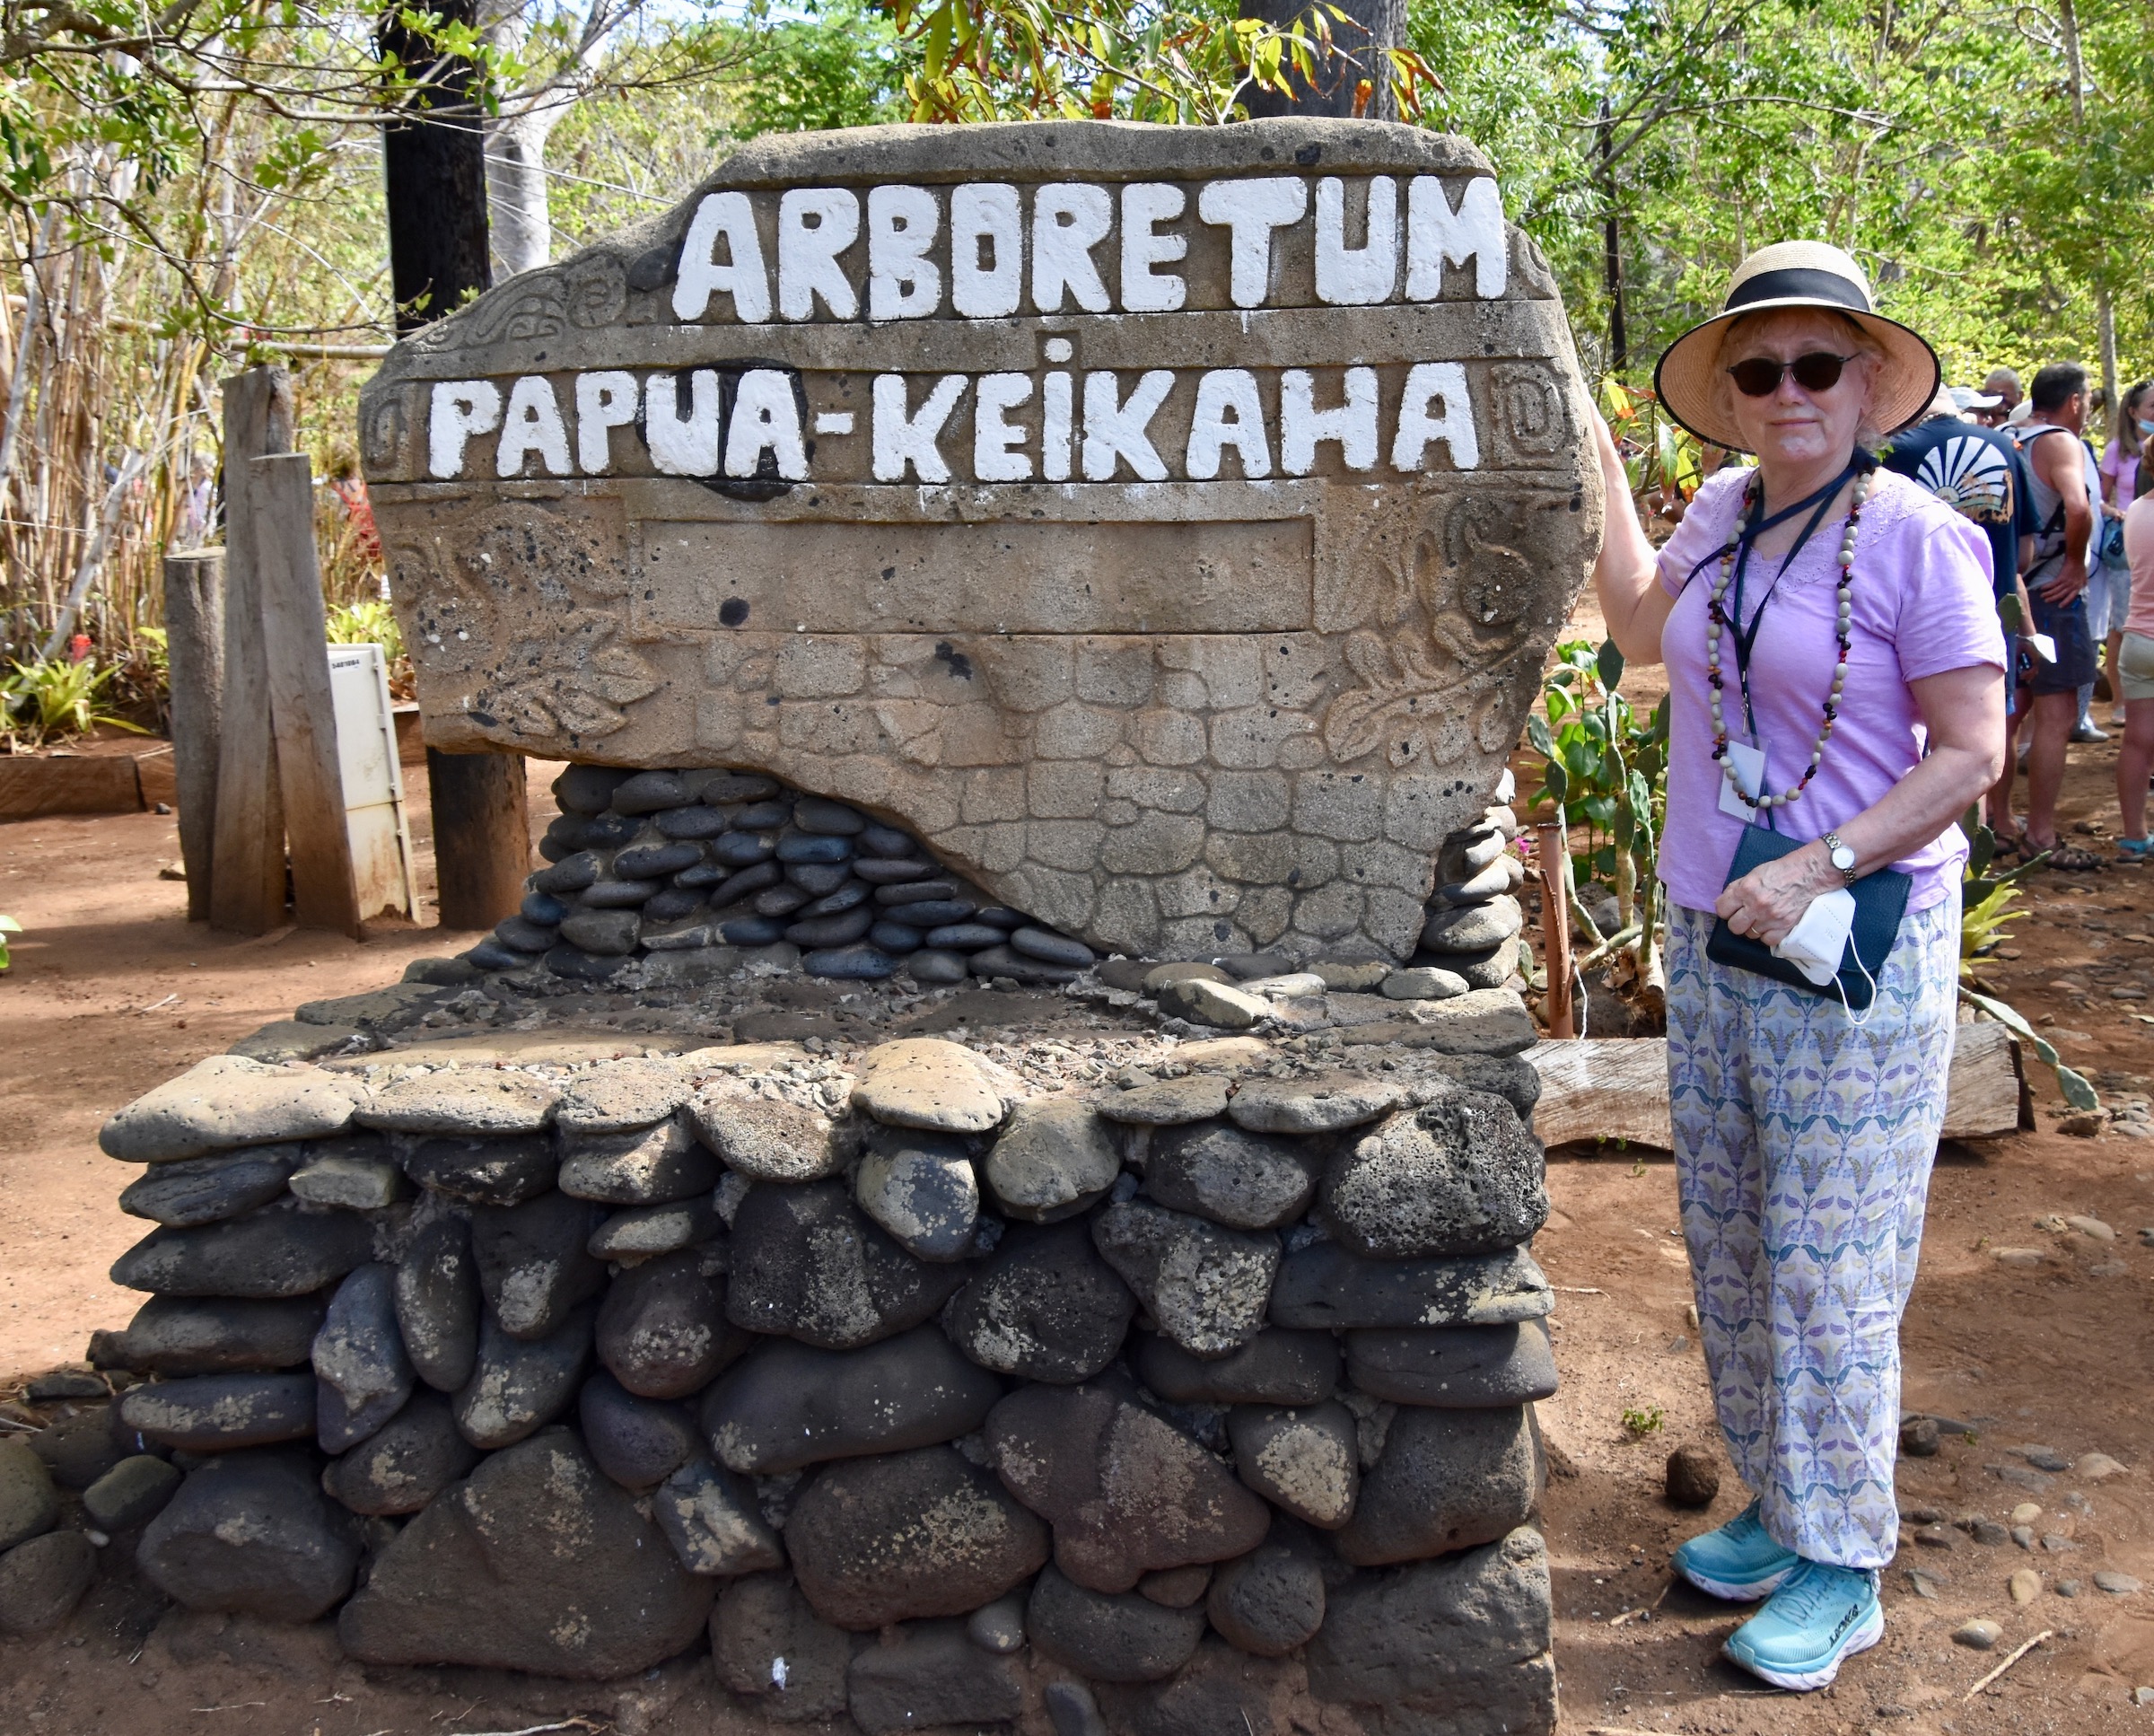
column 32, row 785
column 482, row 836
column 303, row 712
column 246, row 884
column 194, row 624
column 1983, row 1094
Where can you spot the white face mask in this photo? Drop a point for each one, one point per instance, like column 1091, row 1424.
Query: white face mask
column 1817, row 943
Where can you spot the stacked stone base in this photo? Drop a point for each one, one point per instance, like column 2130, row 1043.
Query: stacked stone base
column 919, row 1395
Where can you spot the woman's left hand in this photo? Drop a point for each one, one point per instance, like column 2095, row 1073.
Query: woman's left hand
column 1769, row 901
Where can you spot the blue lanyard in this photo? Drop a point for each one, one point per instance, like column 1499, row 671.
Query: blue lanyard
column 1817, row 504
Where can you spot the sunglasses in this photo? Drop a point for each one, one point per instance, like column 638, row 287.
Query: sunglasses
column 1760, row 376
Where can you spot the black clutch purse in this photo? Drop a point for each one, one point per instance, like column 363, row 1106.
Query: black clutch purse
column 1880, row 901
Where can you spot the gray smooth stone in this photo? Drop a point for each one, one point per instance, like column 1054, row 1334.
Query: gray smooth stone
column 643, row 1231
column 1223, row 1173
column 639, row 1443
column 934, row 965
column 1276, row 1367
column 922, row 1189
column 1454, row 1368
column 1326, row 1285
column 228, row 1100
column 438, row 1304
column 41, row 1582
column 1109, row 1638
column 588, row 789
column 929, row 1675
column 362, row 1374
column 662, row 1330
column 176, row 1336
column 518, row 1385
column 1053, row 1158
column 277, row 1251
column 199, row 1190
column 407, row 1462
column 131, row 1494
column 1050, row 948
column 220, row 1413
column 650, row 1167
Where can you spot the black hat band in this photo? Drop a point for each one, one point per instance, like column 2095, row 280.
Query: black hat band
column 1799, row 283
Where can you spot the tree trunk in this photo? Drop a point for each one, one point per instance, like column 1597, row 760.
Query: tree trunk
column 1359, row 41
column 1619, row 337
column 519, row 223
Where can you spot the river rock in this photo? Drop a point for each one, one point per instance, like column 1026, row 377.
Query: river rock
column 650, row 1167
column 1485, row 1020
column 518, row 1385
column 1240, row 1179
column 437, row 1302
column 1460, row 1176
column 767, row 1138
column 639, row 1443
column 807, row 1263
column 1206, row 1286
column 1045, row 1308
column 1106, row 1637
column 41, row 1582
column 906, row 1536
column 280, row 1251
column 1267, row 1603
column 929, row 1674
column 789, row 1406
column 362, row 1374
column 1126, row 1492
column 30, row 1505
column 220, row 1413
column 1221, row 1005
column 1305, row 1461
column 463, row 1100
column 1471, row 927
column 922, row 1189
column 178, row 1336
column 131, row 1494
column 252, row 1533
column 932, row 965
column 709, row 1515
column 350, row 1175
column 534, row 1261
column 537, row 1563
column 484, row 1171
column 926, row 1082
column 1053, row 1161
column 1166, row 1102
column 1447, row 1479
column 998, row 1627
column 772, row 1648
column 79, row 1449
column 1324, row 1104
column 1177, row 1588
column 608, row 926
column 1276, row 1367
column 228, row 1100
column 1455, row 1368
column 1424, row 983
column 197, row 1191
column 622, row 1096
column 645, row 1231
column 407, row 1462
column 662, row 1330
column 1325, row 1285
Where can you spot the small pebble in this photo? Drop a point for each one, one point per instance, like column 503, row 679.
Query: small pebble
column 2027, row 1513
column 1693, row 1478
column 2025, row 1586
column 2116, row 1584
column 1977, row 1635
column 2068, row 1588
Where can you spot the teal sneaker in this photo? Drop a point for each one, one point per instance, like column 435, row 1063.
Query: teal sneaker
column 1739, row 1561
column 1820, row 1616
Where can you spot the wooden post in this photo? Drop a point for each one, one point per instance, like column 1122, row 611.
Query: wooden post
column 194, row 625
column 295, row 635
column 1555, row 927
column 482, row 836
column 247, row 861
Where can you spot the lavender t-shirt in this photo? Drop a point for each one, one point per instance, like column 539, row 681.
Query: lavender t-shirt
column 1922, row 605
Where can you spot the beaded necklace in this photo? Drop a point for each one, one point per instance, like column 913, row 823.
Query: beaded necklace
column 1716, row 620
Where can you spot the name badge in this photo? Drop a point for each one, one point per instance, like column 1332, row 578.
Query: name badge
column 1749, row 767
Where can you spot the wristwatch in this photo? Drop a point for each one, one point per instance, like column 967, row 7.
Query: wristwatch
column 1841, row 856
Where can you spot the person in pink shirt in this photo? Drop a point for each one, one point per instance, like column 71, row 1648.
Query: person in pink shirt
column 1836, row 671
column 2135, row 673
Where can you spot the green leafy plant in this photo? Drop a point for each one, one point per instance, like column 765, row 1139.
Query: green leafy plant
column 8, row 925
column 367, row 622
column 1661, row 459
column 57, row 697
column 1644, row 1420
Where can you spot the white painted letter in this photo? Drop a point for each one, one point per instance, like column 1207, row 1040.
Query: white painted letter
column 901, row 439
column 532, row 423
column 682, row 446
column 1055, row 399
column 1252, row 209
column 1209, row 430
column 1143, row 203
column 461, row 409
column 903, row 282
column 1356, row 276
column 1113, row 430
column 1436, row 407
column 815, row 225
column 743, row 275
column 1435, row 233
column 1069, row 220
column 992, row 439
column 766, row 419
column 604, row 402
column 988, row 215
column 1303, row 426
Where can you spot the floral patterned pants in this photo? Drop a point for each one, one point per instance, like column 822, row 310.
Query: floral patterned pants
column 1803, row 1147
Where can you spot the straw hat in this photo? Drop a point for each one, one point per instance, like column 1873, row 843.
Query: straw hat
column 1790, row 274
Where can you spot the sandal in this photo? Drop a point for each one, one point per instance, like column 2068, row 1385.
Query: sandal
column 2070, row 859
column 2136, row 850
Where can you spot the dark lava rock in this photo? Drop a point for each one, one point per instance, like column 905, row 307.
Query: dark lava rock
column 1304, row 1461
column 536, row 1562
column 519, row 934
column 518, row 1385
column 362, row 1375
column 220, row 1413
column 929, row 1674
column 1267, row 1603
column 745, row 850
column 252, row 1533
column 1276, row 1367
column 999, row 1626
column 401, row 1466
column 571, row 874
column 788, row 1407
column 895, row 938
column 1458, row 1644
column 693, row 822
column 656, row 860
column 922, row 1189
column 1511, row 1077
column 283, row 1250
column 1045, row 1308
column 481, row 1171
column 820, row 880
column 908, row 1536
column 533, row 1262
column 1244, row 1180
column 643, row 1231
column 834, row 931
column 639, row 1443
column 807, row 1264
column 887, row 841
column 646, row 793
column 1206, row 1286
column 662, row 1330
column 767, row 1138
column 1055, row 1157
column 853, row 964
column 649, row 1167
column 77, row 1451
column 710, row 1517
column 1326, row 1285
column 574, row 962
column 1050, row 948
column 1109, row 1638
column 771, row 1647
column 28, row 1503
column 41, row 1582
column 131, row 1494
column 932, row 964
column 1693, row 1478
column 176, row 1336
column 588, row 789
column 1457, row 1367
column 199, row 1190
column 1127, row 1491
column 1449, row 1479
column 1177, row 1588
column 1459, row 1176
column 438, row 1304
column 543, row 909
column 998, row 960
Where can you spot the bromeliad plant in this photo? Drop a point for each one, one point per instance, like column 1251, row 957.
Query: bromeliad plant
column 56, row 698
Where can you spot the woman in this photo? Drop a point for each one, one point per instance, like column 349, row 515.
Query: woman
column 2120, row 473
column 2135, row 683
column 1860, row 652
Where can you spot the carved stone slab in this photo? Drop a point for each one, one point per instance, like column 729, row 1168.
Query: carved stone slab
column 1166, row 524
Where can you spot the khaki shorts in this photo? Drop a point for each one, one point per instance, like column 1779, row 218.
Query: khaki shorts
column 2135, row 666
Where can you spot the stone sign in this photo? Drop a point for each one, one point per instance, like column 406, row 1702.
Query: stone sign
column 1166, row 525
